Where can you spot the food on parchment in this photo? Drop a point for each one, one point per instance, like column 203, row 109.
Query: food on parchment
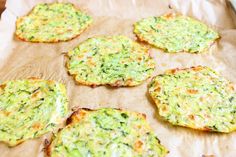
column 30, row 108
column 104, row 133
column 175, row 33
column 52, row 22
column 110, row 60
column 196, row 97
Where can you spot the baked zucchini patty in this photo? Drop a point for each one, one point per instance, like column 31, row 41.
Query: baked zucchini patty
column 106, row 133
column 112, row 60
column 30, row 108
column 175, row 33
column 195, row 97
column 52, row 22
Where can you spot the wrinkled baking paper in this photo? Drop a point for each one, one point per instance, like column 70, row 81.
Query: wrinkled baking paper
column 20, row 59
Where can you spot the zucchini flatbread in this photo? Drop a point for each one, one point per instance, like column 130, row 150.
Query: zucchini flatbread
column 106, row 133
column 30, row 108
column 195, row 97
column 175, row 33
column 112, row 60
column 52, row 22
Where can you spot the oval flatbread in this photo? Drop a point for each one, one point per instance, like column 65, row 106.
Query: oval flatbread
column 30, row 108
column 195, row 97
column 112, row 60
column 175, row 33
column 106, row 133
column 52, row 22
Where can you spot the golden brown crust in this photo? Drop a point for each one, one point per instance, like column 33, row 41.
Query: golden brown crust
column 77, row 115
column 47, row 149
column 34, row 78
column 171, row 15
column 2, row 86
column 194, row 68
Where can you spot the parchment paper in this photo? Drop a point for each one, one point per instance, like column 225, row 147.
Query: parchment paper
column 20, row 59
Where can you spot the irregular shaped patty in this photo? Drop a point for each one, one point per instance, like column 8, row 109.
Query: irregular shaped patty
column 30, row 108
column 195, row 97
column 52, row 22
column 112, row 60
column 175, row 33
column 104, row 133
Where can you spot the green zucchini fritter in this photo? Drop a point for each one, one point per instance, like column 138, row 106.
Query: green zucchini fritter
column 106, row 133
column 52, row 23
column 30, row 108
column 195, row 97
column 175, row 33
column 112, row 60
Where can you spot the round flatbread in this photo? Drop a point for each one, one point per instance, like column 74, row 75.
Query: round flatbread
column 112, row 60
column 52, row 22
column 106, row 133
column 196, row 97
column 175, row 33
column 30, row 108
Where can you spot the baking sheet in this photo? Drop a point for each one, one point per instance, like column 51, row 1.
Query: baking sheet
column 20, row 59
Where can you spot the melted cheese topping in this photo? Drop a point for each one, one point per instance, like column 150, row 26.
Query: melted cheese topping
column 175, row 33
column 52, row 23
column 115, row 60
column 197, row 98
column 106, row 133
column 30, row 108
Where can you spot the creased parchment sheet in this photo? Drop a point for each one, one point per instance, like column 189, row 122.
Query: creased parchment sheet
column 20, row 59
